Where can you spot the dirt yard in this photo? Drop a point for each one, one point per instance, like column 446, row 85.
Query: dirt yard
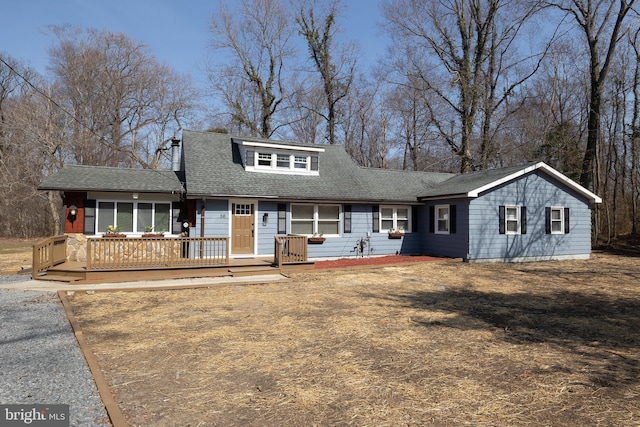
column 431, row 343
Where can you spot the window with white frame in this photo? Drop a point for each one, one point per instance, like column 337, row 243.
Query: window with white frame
column 512, row 219
column 264, row 159
column 395, row 218
column 557, row 220
column 315, row 219
column 133, row 217
column 442, row 219
column 300, row 162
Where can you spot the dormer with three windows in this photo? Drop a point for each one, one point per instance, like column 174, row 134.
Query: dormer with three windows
column 279, row 158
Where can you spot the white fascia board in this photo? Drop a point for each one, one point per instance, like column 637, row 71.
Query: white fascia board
column 280, row 146
column 546, row 168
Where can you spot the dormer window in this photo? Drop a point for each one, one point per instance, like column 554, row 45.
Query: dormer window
column 279, row 158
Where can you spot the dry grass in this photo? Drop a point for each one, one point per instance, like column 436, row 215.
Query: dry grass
column 437, row 343
column 15, row 254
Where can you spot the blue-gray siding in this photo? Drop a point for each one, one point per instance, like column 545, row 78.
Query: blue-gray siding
column 217, row 223
column 455, row 245
column 476, row 238
column 535, row 191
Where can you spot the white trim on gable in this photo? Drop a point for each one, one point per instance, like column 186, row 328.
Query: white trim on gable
column 545, row 168
column 280, row 146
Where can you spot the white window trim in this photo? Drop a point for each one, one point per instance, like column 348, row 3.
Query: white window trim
column 561, row 220
column 436, row 219
column 518, row 219
column 273, row 164
column 316, row 218
column 135, row 203
column 395, row 218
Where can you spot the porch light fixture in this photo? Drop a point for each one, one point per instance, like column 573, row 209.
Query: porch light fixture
column 73, row 212
column 135, row 196
column 265, row 219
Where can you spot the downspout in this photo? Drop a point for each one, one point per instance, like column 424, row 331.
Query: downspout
column 202, row 211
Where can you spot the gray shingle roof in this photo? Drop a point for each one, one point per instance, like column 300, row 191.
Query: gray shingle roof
column 461, row 184
column 214, row 168
column 96, row 178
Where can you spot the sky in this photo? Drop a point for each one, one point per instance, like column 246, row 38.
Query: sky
column 177, row 32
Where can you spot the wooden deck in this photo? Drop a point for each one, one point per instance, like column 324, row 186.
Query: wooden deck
column 76, row 272
column 170, row 267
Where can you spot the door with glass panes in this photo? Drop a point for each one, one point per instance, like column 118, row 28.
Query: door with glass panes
column 242, row 228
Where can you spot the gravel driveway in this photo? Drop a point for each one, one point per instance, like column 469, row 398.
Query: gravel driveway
column 40, row 360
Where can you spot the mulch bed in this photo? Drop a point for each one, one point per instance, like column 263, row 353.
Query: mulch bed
column 369, row 261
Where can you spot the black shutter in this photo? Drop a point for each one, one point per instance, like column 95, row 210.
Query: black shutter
column 415, row 218
column 347, row 218
column 452, row 219
column 282, row 218
column 177, row 218
column 432, row 219
column 566, row 220
column 250, row 157
column 547, row 220
column 523, row 220
column 314, row 163
column 501, row 218
column 90, row 217
column 375, row 218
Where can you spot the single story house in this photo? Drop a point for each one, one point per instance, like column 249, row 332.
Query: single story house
column 253, row 189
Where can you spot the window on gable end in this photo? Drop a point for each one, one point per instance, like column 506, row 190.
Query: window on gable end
column 512, row 220
column 556, row 220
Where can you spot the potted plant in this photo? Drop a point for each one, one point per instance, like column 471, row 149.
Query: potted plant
column 396, row 233
column 148, row 232
column 113, row 232
column 316, row 239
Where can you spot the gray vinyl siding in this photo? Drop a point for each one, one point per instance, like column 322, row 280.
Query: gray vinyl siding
column 216, row 218
column 344, row 245
column 535, row 191
column 454, row 245
column 266, row 232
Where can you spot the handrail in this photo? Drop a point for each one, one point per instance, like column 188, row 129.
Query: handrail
column 290, row 249
column 122, row 253
column 48, row 253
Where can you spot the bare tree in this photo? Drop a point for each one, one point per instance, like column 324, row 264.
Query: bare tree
column 257, row 38
column 603, row 24
column 466, row 53
column 116, row 90
column 335, row 66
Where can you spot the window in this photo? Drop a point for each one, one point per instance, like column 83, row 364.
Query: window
column 283, row 161
column 242, row 209
column 264, row 159
column 394, row 218
column 300, row 162
column 442, row 219
column 134, row 217
column 512, row 220
column 312, row 219
column 556, row 220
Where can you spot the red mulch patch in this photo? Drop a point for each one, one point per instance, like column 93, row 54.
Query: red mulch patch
column 380, row 260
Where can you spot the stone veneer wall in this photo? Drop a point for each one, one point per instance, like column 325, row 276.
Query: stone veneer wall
column 127, row 250
column 76, row 247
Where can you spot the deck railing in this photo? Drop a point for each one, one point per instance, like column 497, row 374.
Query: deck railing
column 290, row 249
column 122, row 253
column 48, row 253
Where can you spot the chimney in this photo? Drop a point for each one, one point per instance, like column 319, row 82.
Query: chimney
column 175, row 154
